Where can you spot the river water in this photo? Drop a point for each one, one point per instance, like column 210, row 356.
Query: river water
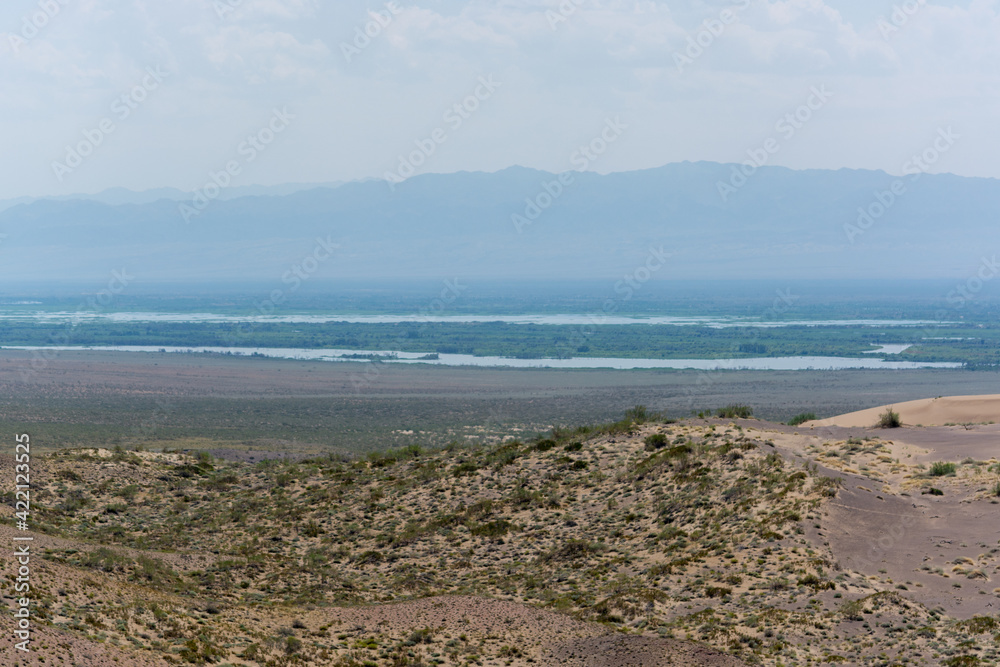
column 764, row 364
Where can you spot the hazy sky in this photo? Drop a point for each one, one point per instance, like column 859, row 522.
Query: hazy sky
column 199, row 77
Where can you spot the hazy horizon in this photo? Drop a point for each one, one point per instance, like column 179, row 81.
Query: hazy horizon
column 270, row 189
column 147, row 96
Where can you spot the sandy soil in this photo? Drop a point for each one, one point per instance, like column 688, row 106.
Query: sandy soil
column 940, row 550
column 53, row 646
column 926, row 412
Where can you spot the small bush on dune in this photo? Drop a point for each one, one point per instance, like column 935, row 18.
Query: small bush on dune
column 545, row 445
column 888, row 419
column 802, row 418
column 717, row 591
column 655, row 441
column 940, row 469
column 637, row 415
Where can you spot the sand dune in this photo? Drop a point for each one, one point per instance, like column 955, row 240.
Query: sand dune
column 926, row 412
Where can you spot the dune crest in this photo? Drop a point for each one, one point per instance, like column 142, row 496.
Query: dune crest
column 925, row 412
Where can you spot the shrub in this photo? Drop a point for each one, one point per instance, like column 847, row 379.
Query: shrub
column 370, row 557
column 504, row 455
column 411, row 451
column 816, row 583
column 940, row 469
column 656, row 441
column 735, row 411
column 572, row 550
column 670, row 533
column 717, row 591
column 293, row 645
column 637, row 415
column 106, row 560
column 466, row 468
column 980, row 624
column 493, row 529
column 963, row 661
column 545, row 445
column 422, row 636
column 802, row 418
column 154, row 571
column 888, row 419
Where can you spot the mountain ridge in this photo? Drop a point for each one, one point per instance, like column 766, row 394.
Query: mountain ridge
column 525, row 223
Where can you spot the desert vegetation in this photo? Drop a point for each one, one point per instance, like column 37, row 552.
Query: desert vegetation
column 689, row 532
column 888, row 419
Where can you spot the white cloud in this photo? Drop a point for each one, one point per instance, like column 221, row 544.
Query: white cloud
column 262, row 56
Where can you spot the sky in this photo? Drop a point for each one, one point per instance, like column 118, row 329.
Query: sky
column 140, row 94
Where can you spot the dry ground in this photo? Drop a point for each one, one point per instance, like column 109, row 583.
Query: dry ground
column 703, row 542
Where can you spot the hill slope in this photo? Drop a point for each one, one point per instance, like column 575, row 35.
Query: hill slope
column 633, row 539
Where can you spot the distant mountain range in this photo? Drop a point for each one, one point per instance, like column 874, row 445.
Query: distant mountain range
column 686, row 220
column 118, row 196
